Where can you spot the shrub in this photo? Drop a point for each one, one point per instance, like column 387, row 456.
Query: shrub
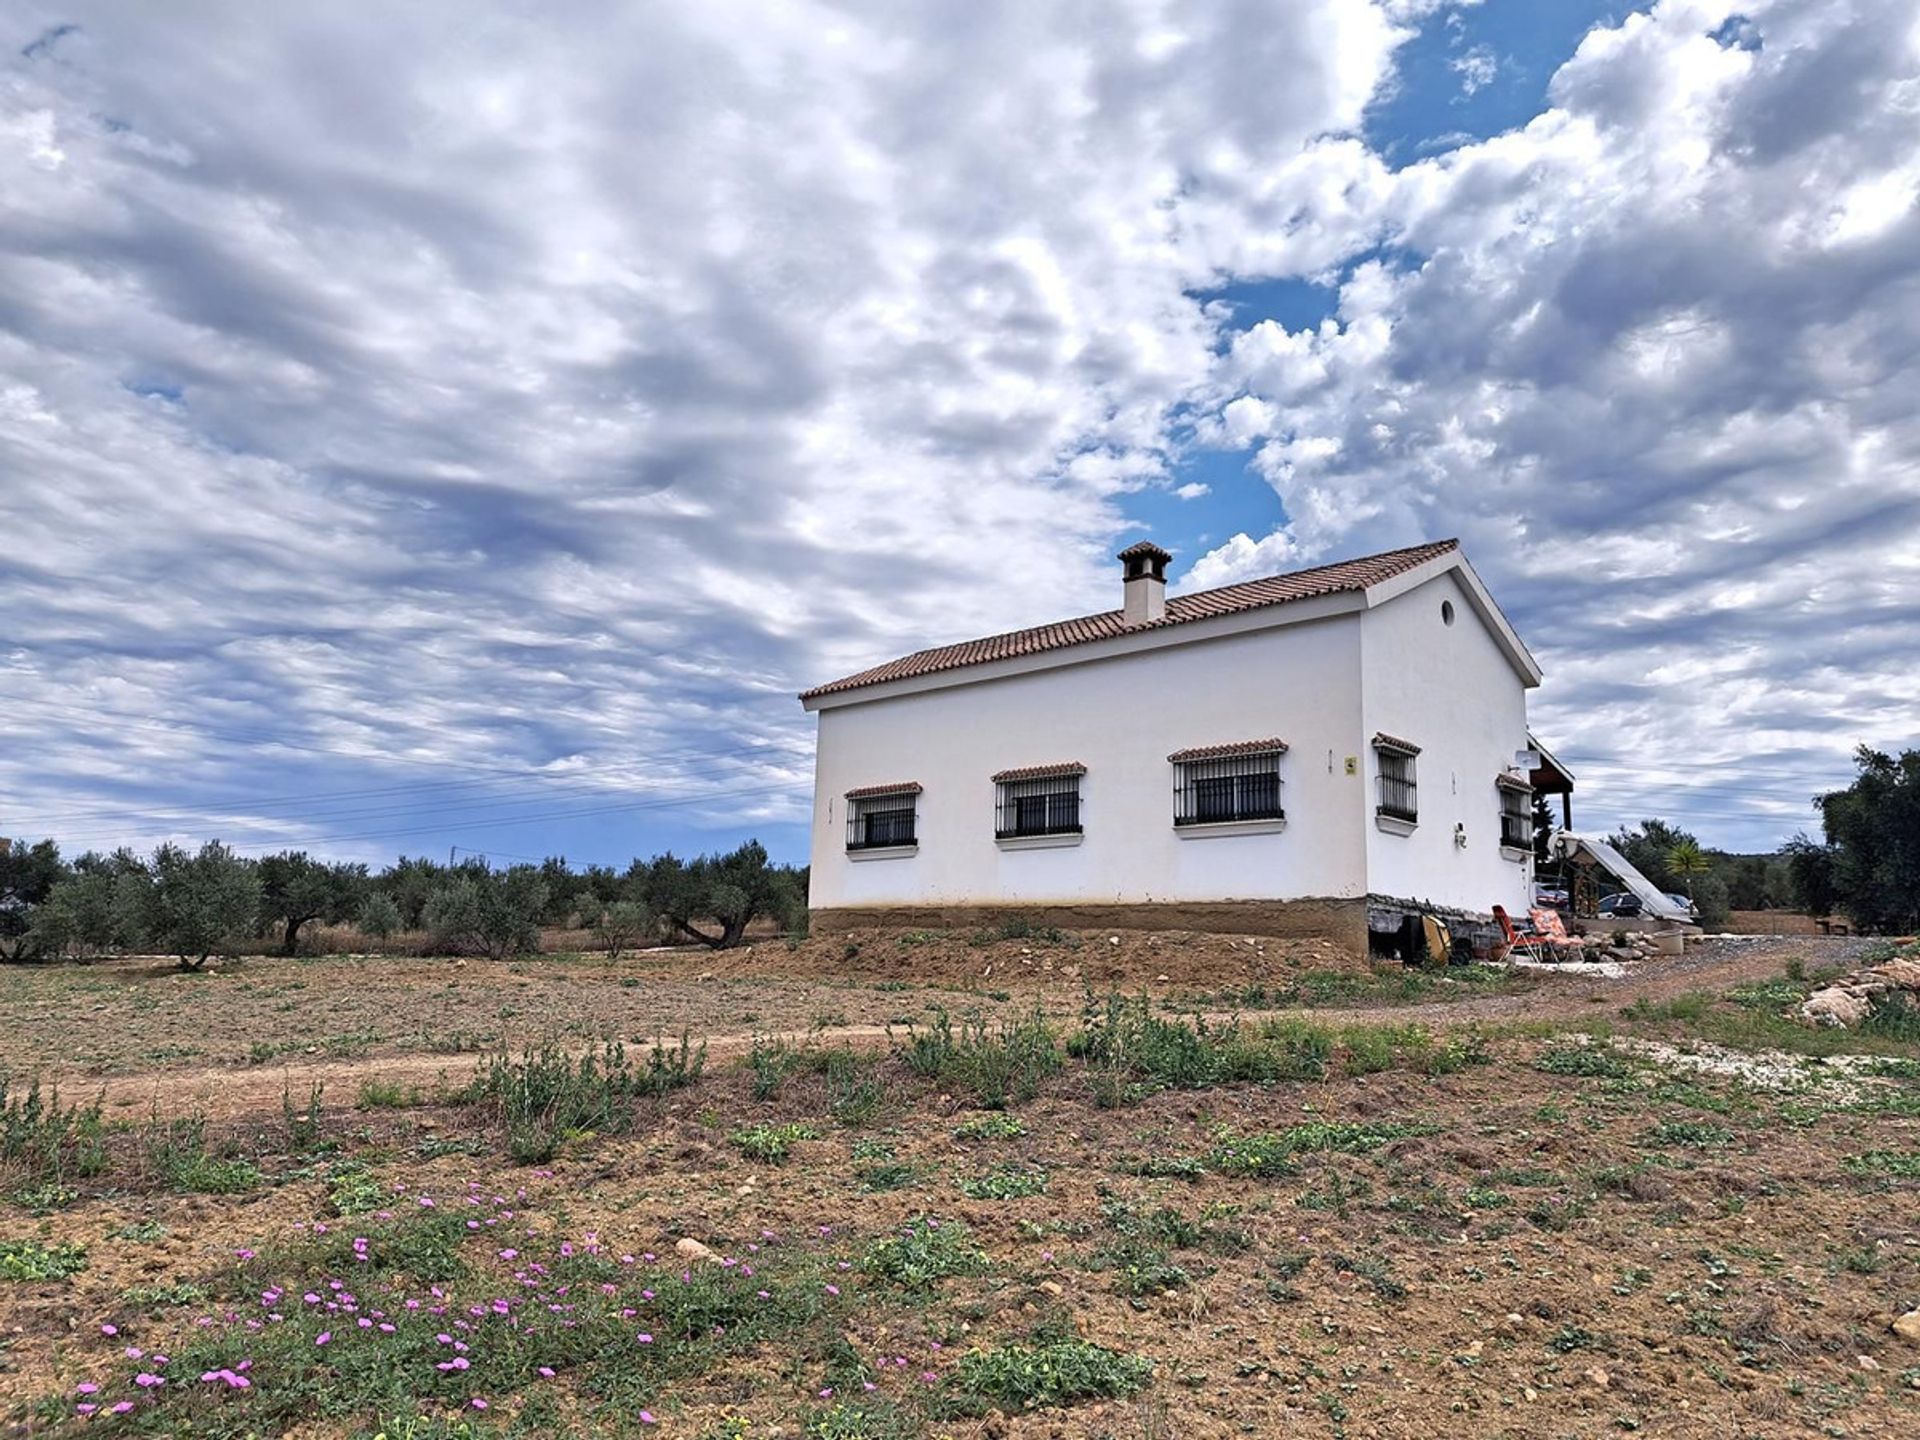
column 176, row 1151
column 989, row 1127
column 1126, row 1039
column 495, row 913
column 995, row 1065
column 1694, row 1134
column 1036, row 1377
column 30, row 1260
column 923, row 1253
column 622, row 925
column 48, row 1140
column 547, row 1097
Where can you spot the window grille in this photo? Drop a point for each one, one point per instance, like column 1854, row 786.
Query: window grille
column 1399, row 793
column 1042, row 805
column 1516, row 817
column 876, row 820
column 1237, row 787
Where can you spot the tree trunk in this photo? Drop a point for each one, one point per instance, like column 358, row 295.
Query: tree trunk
column 292, row 937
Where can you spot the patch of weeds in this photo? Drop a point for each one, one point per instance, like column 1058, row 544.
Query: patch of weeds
column 1685, row 1134
column 1771, row 995
column 385, row 1095
column 435, row 1147
column 1167, row 1167
column 1482, row 1198
column 885, row 1175
column 30, row 1260
column 351, row 1191
column 923, row 1253
column 1012, row 1182
column 1374, row 1272
column 1571, row 1338
column 1588, row 1062
column 47, row 1140
column 1903, row 1163
column 1692, row 1006
column 1020, row 927
column 45, row 1199
column 1040, row 1377
column 771, row 1143
column 303, row 1126
column 1558, row 1212
column 865, row 1421
column 993, row 1126
column 1335, row 1194
column 995, row 1065
column 144, row 1232
column 1286, row 1269
column 1134, row 1052
column 177, row 1152
column 854, row 1090
column 547, row 1097
column 1272, row 1154
column 149, row 1298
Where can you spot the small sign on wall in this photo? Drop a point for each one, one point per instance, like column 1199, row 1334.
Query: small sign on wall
column 1353, row 764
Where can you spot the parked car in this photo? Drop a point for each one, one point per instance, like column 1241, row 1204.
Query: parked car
column 1693, row 910
column 1623, row 906
column 1550, row 895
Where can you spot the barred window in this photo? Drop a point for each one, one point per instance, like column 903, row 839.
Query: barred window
column 1399, row 790
column 1218, row 784
column 1516, row 815
column 879, row 817
column 1039, row 800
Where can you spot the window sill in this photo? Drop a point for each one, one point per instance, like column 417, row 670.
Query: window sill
column 1202, row 830
column 1039, row 842
column 1510, row 852
column 1394, row 825
column 883, row 852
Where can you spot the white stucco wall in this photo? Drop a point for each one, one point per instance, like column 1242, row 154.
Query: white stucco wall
column 1450, row 690
column 1121, row 717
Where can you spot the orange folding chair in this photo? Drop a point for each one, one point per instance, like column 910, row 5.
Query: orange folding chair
column 1520, row 942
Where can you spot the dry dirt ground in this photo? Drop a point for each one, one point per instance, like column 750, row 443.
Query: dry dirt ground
column 1544, row 1207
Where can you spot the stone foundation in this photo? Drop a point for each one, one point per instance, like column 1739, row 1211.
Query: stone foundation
column 1344, row 922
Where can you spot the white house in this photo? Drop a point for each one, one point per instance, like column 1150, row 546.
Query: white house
column 1291, row 756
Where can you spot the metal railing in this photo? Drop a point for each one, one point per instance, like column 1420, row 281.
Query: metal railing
column 1037, row 807
column 1213, row 792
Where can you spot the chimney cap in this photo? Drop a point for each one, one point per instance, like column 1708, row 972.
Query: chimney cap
column 1145, row 548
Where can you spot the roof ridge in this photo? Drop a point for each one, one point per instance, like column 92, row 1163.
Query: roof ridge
column 1104, row 624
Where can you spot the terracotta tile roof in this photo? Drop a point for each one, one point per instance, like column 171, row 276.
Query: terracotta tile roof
column 865, row 792
column 1143, row 547
column 1348, row 575
column 1041, row 772
column 1512, row 782
column 1229, row 751
column 1384, row 741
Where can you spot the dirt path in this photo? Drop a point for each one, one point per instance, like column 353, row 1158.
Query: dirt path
column 230, row 1091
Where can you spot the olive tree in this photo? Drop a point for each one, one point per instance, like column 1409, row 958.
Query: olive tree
column 29, row 875
column 196, row 904
column 296, row 888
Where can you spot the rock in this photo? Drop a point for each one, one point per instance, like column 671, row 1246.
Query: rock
column 1113, row 939
column 1907, row 1327
column 1867, row 1362
column 1161, row 979
column 1836, row 1007
column 1598, row 1377
column 1515, row 1322
column 688, row 1248
column 1053, row 1288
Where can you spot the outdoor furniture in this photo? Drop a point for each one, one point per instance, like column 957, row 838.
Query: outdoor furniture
column 1549, row 925
column 1521, row 942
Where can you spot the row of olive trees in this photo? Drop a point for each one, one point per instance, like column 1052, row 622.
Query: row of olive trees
column 197, row 904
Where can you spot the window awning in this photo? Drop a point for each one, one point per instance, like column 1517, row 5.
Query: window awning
column 1512, row 782
column 1059, row 770
column 1232, row 750
column 867, row 792
column 1394, row 744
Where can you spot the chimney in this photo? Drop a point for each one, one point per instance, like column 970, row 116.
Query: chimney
column 1146, row 583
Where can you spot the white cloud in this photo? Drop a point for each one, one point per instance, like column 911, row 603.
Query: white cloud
column 1652, row 356
column 1192, row 490
column 1476, row 69
column 457, row 384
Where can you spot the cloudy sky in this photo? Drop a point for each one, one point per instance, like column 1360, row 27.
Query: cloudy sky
column 449, row 425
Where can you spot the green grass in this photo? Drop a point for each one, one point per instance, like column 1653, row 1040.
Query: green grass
column 1902, row 1163
column 30, row 1260
column 546, row 1097
column 1587, row 1061
column 1134, row 1053
column 1400, row 986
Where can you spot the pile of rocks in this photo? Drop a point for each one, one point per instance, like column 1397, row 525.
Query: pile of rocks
column 1627, row 945
column 1846, row 1003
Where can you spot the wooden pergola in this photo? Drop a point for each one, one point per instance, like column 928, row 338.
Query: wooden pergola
column 1550, row 777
